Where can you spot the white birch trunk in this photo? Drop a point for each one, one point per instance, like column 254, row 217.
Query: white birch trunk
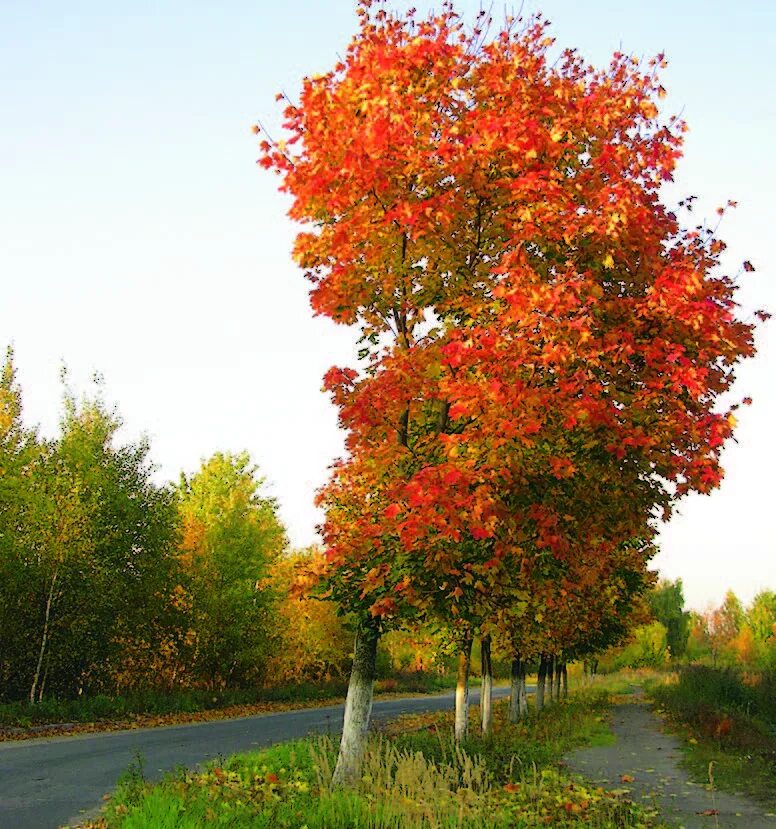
column 44, row 637
column 358, row 708
column 462, row 691
column 486, row 692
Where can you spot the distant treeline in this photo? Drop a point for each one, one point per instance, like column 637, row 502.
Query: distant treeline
column 730, row 635
column 111, row 583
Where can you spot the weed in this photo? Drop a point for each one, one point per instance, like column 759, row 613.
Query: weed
column 132, row 783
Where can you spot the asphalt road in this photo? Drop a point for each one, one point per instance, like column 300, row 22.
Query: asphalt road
column 50, row 782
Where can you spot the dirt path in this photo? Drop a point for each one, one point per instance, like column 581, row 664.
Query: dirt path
column 651, row 758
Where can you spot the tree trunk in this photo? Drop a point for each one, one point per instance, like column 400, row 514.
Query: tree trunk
column 550, row 679
column 564, row 681
column 516, row 677
column 541, row 679
column 462, row 690
column 358, row 707
column 486, row 692
column 558, row 669
column 44, row 637
column 42, row 686
column 523, row 700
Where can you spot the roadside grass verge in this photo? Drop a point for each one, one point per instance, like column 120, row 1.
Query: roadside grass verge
column 728, row 722
column 623, row 683
column 21, row 720
column 413, row 776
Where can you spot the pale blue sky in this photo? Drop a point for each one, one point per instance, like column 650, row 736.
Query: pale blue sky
column 139, row 238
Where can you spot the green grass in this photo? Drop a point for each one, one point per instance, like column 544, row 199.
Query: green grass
column 540, row 741
column 413, row 776
column 621, row 683
column 156, row 703
column 728, row 722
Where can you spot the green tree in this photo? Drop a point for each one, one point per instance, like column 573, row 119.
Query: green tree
column 117, row 558
column 93, row 558
column 231, row 537
column 762, row 617
column 666, row 601
column 648, row 648
column 19, row 450
column 724, row 624
column 699, row 638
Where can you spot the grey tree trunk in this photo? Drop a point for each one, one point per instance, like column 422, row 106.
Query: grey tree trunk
column 358, row 707
column 558, row 669
column 515, row 677
column 541, row 680
column 550, row 679
column 462, row 690
column 523, row 701
column 564, row 684
column 486, row 693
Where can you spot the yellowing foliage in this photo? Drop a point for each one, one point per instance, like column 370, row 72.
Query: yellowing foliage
column 314, row 643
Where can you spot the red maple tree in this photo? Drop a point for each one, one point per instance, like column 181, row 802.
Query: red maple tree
column 543, row 343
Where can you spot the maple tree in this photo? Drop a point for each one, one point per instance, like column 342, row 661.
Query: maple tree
column 543, row 342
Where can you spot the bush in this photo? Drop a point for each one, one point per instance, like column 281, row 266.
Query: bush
column 701, row 690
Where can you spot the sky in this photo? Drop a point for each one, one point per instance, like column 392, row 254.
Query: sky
column 139, row 239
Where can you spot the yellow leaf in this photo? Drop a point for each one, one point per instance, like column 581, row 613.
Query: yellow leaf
column 608, row 261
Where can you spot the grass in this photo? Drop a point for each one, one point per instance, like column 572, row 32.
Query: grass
column 413, row 776
column 623, row 683
column 155, row 707
column 726, row 719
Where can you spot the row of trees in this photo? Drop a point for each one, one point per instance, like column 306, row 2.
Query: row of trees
column 111, row 582
column 542, row 343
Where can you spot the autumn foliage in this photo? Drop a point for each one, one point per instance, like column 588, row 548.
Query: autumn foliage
column 544, row 342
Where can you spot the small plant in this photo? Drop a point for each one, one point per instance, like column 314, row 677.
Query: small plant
column 132, row 784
